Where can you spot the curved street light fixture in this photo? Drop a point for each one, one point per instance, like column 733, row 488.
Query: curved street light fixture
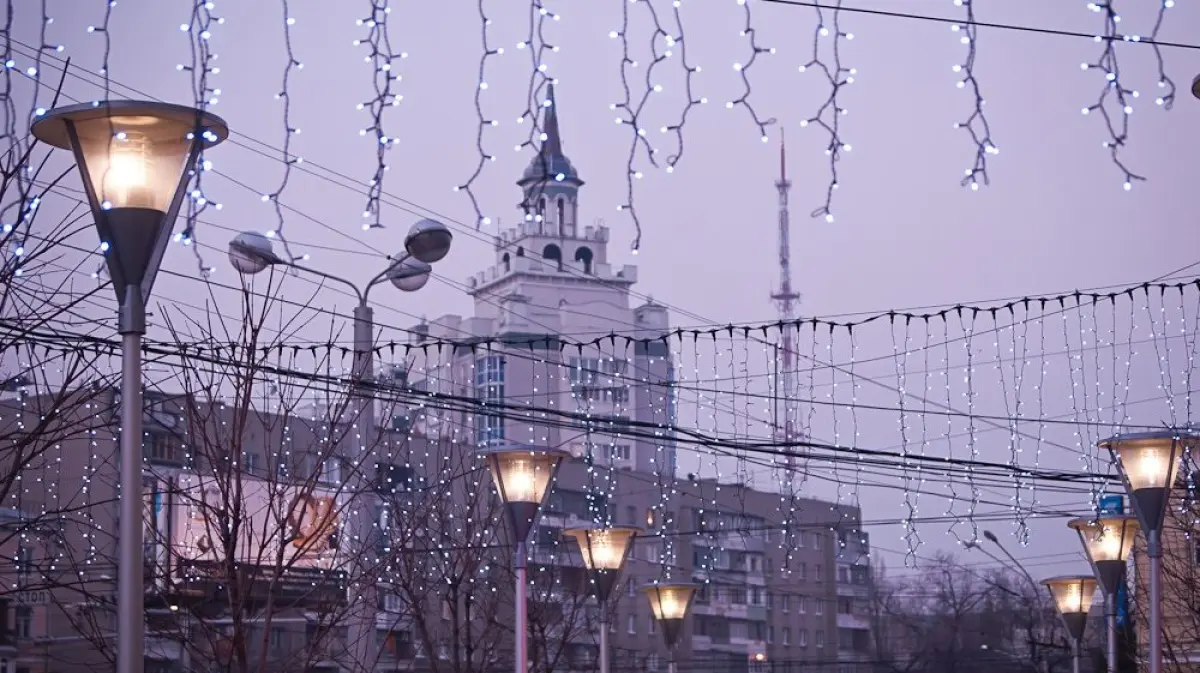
column 428, row 241
column 522, row 475
column 604, row 551
column 133, row 157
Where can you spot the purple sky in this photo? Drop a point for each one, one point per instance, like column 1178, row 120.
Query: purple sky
column 906, row 234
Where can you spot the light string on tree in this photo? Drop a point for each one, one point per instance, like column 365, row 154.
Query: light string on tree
column 630, row 110
column 976, row 125
column 827, row 57
column 200, row 68
column 284, row 96
column 483, row 122
column 750, row 33
column 383, row 59
column 1115, row 102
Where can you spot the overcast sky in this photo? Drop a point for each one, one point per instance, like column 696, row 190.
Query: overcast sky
column 1054, row 218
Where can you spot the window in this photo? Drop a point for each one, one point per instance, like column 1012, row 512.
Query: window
column 652, row 662
column 803, row 637
column 551, row 253
column 787, row 636
column 845, row 606
column 250, row 464
column 817, row 540
column 653, row 629
column 619, row 452
column 489, row 389
column 843, row 575
column 631, row 588
column 562, row 211
column 276, row 639
column 755, row 563
column 801, row 571
column 331, row 471
column 770, row 635
column 820, row 602
column 25, row 564
column 783, row 603
column 584, row 256
column 631, row 515
column 631, row 625
column 800, row 539
column 24, row 625
column 159, row 448
column 756, row 596
column 818, row 573
column 507, row 262
column 804, row 605
column 820, row 638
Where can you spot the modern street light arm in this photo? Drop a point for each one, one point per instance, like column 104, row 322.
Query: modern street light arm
column 361, row 295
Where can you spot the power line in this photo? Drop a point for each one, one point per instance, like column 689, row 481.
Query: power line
column 1132, row 39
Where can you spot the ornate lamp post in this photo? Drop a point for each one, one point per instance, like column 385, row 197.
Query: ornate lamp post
column 134, row 158
column 428, row 241
column 604, row 552
column 670, row 604
column 1108, row 542
column 522, row 476
column 1149, row 463
column 1072, row 596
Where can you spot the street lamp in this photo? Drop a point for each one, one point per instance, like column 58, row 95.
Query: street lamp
column 1196, row 87
column 522, row 475
column 1108, row 542
column 1149, row 463
column 604, row 552
column 134, row 158
column 1072, row 596
column 670, row 603
column 427, row 242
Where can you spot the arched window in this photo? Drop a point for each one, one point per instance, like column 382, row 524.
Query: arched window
column 507, row 263
column 520, row 251
column 542, row 206
column 552, row 253
column 584, row 254
column 562, row 212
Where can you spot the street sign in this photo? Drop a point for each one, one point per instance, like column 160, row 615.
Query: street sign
column 33, row 597
column 1112, row 505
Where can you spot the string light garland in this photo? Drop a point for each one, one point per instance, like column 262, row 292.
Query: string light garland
column 537, row 107
column 691, row 100
column 484, row 122
column 284, row 96
column 383, row 59
column 630, row 108
column 750, row 33
column 976, row 125
column 201, row 67
column 1166, row 97
column 1114, row 94
column 827, row 58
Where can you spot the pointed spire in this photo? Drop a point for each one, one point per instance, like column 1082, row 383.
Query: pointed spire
column 782, row 157
column 553, row 144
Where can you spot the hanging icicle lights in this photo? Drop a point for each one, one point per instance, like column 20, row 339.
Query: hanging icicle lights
column 383, row 58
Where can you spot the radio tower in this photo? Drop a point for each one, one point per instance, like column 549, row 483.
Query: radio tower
column 786, row 299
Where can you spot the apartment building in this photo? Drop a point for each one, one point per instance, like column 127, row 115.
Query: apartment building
column 1181, row 586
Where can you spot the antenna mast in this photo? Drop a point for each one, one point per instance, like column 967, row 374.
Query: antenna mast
column 786, row 299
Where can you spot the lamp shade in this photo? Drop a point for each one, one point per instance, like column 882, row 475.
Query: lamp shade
column 670, row 601
column 1108, row 538
column 604, row 548
column 522, row 476
column 132, row 154
column 1107, row 542
column 1149, row 464
column 1072, row 594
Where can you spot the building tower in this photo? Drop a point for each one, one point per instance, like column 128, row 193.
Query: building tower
column 786, row 299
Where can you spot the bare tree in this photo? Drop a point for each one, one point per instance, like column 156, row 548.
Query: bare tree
column 951, row 617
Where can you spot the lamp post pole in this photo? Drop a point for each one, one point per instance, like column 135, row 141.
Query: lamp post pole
column 522, row 475
column 604, row 551
column 1149, row 464
column 134, row 158
column 1107, row 542
column 427, row 242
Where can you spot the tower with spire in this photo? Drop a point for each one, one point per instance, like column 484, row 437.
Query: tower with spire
column 550, row 280
column 785, row 299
